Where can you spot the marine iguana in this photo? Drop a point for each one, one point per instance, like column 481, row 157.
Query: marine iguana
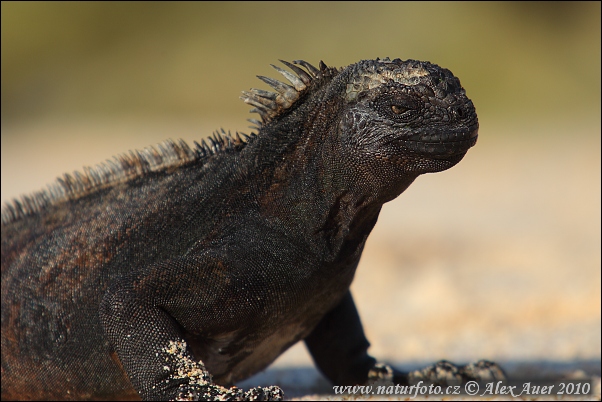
column 175, row 271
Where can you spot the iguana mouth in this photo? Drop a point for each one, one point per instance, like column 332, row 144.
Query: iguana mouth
column 441, row 146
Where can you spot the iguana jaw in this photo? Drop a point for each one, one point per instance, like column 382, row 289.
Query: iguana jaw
column 441, row 148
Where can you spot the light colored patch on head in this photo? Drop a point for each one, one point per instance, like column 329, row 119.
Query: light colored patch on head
column 371, row 78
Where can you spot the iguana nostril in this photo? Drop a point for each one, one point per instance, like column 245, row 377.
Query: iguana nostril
column 460, row 112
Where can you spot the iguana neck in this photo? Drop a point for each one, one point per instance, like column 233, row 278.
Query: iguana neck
column 314, row 188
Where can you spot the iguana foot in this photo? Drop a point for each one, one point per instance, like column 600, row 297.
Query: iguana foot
column 213, row 392
column 199, row 385
column 484, row 371
column 446, row 373
column 271, row 393
column 381, row 372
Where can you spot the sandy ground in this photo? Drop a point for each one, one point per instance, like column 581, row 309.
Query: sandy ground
column 498, row 258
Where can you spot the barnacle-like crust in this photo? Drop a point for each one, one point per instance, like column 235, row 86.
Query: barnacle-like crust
column 370, row 74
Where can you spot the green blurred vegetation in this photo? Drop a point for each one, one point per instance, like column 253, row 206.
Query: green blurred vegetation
column 516, row 60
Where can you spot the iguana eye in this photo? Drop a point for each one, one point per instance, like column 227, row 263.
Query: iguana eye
column 397, row 109
column 397, row 106
column 403, row 109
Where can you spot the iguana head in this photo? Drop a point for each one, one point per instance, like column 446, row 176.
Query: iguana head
column 403, row 117
column 418, row 114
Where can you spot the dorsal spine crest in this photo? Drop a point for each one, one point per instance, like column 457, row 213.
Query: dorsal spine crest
column 120, row 169
column 170, row 154
column 268, row 104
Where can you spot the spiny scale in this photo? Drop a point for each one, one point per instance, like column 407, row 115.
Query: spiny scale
column 270, row 104
column 120, row 169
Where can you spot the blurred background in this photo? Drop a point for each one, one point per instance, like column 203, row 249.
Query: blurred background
column 497, row 258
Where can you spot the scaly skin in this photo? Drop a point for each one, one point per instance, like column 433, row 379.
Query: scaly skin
column 175, row 273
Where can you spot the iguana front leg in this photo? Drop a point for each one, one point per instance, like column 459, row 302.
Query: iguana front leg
column 339, row 347
column 340, row 350
column 149, row 341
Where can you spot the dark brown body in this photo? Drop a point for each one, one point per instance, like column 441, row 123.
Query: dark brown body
column 240, row 249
